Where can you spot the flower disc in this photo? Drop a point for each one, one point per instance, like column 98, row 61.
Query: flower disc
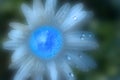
column 45, row 42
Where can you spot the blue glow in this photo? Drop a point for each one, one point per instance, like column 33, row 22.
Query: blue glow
column 45, row 42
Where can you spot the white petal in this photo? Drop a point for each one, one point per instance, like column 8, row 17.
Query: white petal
column 75, row 16
column 81, row 41
column 81, row 61
column 52, row 71
column 11, row 45
column 18, row 54
column 63, row 12
column 21, row 61
column 50, row 7
column 16, row 34
column 67, row 71
column 37, row 7
column 37, row 70
column 24, row 71
column 28, row 13
column 37, row 77
column 17, row 26
column 38, row 14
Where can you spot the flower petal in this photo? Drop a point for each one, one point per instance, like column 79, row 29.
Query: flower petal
column 75, row 16
column 81, row 41
column 28, row 13
column 24, row 71
column 81, row 61
column 16, row 34
column 21, row 62
column 37, row 7
column 38, row 70
column 50, row 6
column 19, row 54
column 37, row 77
column 52, row 71
column 38, row 12
column 67, row 71
column 17, row 26
column 11, row 45
column 62, row 12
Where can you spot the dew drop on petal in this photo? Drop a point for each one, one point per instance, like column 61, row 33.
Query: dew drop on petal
column 71, row 74
column 90, row 35
column 68, row 57
column 83, row 35
column 80, row 56
column 82, row 38
column 75, row 18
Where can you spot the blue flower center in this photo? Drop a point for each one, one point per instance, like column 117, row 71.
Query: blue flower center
column 45, row 42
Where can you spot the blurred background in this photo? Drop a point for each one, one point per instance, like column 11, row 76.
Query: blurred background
column 105, row 25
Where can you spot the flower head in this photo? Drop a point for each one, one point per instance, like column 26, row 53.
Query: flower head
column 49, row 45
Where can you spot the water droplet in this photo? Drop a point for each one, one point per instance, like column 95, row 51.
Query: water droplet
column 75, row 18
column 80, row 56
column 83, row 35
column 68, row 57
column 82, row 38
column 90, row 35
column 71, row 74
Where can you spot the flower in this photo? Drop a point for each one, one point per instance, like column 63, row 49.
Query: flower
column 50, row 44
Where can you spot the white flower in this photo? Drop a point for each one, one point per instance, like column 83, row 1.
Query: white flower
column 49, row 45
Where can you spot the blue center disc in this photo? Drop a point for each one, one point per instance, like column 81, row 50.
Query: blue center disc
column 45, row 42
